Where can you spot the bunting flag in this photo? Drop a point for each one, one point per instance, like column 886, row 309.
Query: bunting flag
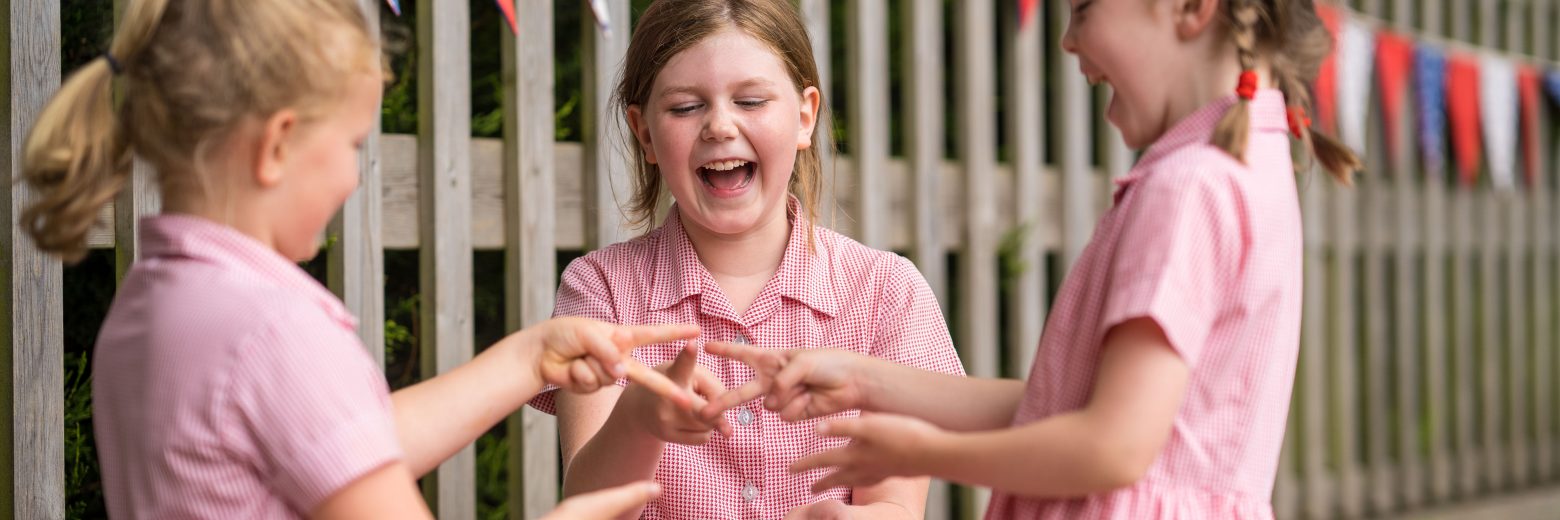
column 1552, row 84
column 1025, row 7
column 1357, row 43
column 598, row 8
column 1528, row 87
column 1498, row 111
column 1430, row 78
column 508, row 8
column 395, row 6
column 1327, row 76
column 1462, row 99
column 1394, row 67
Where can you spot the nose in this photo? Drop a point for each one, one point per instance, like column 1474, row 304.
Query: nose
column 718, row 125
column 1070, row 40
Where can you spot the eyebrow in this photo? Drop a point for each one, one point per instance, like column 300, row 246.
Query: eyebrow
column 684, row 89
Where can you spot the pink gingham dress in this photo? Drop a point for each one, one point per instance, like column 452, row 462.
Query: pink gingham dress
column 227, row 383
column 846, row 296
column 1210, row 249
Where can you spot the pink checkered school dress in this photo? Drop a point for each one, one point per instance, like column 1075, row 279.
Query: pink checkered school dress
column 227, row 383
column 845, row 295
column 1210, row 249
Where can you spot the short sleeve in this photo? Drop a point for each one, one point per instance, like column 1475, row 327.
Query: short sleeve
column 911, row 329
column 1178, row 256
column 582, row 292
column 315, row 407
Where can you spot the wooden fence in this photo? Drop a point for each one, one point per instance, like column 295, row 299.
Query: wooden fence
column 1427, row 373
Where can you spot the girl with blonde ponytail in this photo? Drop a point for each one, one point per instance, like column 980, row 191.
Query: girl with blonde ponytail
column 1162, row 382
column 228, row 383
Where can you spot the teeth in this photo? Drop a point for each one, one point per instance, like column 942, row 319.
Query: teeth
column 722, row 166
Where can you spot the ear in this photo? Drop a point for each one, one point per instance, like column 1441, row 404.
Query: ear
column 1193, row 17
column 275, row 134
column 641, row 130
column 811, row 99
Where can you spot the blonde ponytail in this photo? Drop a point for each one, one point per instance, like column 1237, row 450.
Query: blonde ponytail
column 187, row 72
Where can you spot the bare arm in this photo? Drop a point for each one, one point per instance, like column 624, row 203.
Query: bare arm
column 804, row 384
column 437, row 417
column 1106, row 445
column 388, row 492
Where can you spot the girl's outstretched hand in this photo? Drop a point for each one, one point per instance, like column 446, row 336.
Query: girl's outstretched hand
column 881, row 446
column 582, row 355
column 607, row 503
column 673, row 421
column 798, row 384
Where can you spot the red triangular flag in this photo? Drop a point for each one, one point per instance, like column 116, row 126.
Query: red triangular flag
column 1025, row 7
column 1327, row 77
column 508, row 8
column 1462, row 99
column 1394, row 66
column 1527, row 88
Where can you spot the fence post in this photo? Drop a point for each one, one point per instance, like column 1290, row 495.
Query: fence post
column 1026, row 139
column 815, row 13
column 530, row 260
column 867, row 88
column 33, row 355
column 444, row 214
column 1074, row 152
column 606, row 168
column 355, row 264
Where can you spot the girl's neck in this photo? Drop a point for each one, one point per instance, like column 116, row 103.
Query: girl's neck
column 742, row 263
column 1216, row 74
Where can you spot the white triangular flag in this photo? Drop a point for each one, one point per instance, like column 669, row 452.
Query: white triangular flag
column 1498, row 117
column 1356, row 59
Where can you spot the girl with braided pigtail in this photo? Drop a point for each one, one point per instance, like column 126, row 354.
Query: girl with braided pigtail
column 1162, row 382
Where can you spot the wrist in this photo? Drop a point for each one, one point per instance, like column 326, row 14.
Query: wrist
column 869, row 378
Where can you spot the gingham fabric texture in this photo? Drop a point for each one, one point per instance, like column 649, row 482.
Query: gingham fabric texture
column 1210, row 249
column 844, row 295
column 227, row 383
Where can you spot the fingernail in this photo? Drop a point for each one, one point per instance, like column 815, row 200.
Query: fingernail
column 823, row 428
column 653, row 488
column 620, row 370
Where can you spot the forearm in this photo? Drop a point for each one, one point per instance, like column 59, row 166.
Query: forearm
column 1060, row 457
column 439, row 416
column 619, row 453
column 951, row 402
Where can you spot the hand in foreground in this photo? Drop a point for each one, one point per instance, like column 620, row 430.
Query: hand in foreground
column 672, row 421
column 798, row 384
column 582, row 355
column 607, row 503
column 881, row 446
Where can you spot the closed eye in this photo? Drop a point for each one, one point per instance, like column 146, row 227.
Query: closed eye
column 682, row 110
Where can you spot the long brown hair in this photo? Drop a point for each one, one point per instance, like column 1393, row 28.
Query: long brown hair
column 668, row 27
column 188, row 72
column 1291, row 36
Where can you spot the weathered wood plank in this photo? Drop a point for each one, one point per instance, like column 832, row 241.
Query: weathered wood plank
column 1410, row 479
column 867, row 88
column 1026, row 135
column 975, row 91
column 1542, row 224
column 1075, row 147
column 606, row 174
column 924, row 140
column 1377, row 212
column 32, row 376
column 355, row 265
column 1515, row 369
column 444, row 214
column 530, row 259
column 1343, row 331
column 1317, row 482
column 815, row 13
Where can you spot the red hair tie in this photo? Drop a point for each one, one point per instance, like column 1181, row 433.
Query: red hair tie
column 1247, row 89
column 1298, row 121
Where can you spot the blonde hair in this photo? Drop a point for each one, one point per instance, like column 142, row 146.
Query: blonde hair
column 668, row 27
column 189, row 71
column 1292, row 37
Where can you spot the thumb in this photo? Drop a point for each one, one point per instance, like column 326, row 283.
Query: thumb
column 681, row 370
column 607, row 503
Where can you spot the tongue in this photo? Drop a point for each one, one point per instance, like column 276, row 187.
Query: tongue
column 727, row 180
